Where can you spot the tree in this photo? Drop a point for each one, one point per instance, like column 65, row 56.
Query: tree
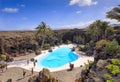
column 97, row 30
column 93, row 31
column 114, row 13
column 112, row 47
column 101, row 44
column 78, row 39
column 2, row 50
column 43, row 30
column 109, row 32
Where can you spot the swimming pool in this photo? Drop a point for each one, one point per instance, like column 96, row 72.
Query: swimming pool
column 57, row 58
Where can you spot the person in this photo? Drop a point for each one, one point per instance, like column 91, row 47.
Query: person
column 6, row 66
column 71, row 66
column 24, row 73
column 80, row 65
column 27, row 62
column 34, row 63
column 32, row 71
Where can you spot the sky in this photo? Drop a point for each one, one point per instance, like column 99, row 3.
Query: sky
column 58, row 14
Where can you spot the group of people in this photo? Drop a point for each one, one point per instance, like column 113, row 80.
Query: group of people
column 32, row 69
column 33, row 60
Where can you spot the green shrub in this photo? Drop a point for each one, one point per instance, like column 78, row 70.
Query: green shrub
column 80, row 49
column 69, row 42
column 3, row 57
column 89, row 64
column 89, row 52
column 46, row 46
column 115, row 61
column 113, row 69
column 87, row 46
column 111, row 80
column 30, row 51
column 1, row 65
column 100, row 44
column 37, row 52
column 108, row 78
column 92, row 43
column 9, row 58
column 112, row 47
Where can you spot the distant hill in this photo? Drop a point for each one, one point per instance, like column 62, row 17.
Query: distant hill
column 115, row 25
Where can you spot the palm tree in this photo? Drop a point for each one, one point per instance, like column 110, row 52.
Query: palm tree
column 2, row 45
column 43, row 30
column 102, row 25
column 97, row 30
column 94, row 31
column 114, row 13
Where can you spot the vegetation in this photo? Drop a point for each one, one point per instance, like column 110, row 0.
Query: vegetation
column 97, row 30
column 113, row 69
column 101, row 44
column 28, row 41
column 88, row 66
column 109, row 78
column 46, row 46
column 78, row 39
column 114, row 13
column 112, row 47
column 115, row 61
column 104, row 40
column 44, row 31
column 99, row 37
column 3, row 57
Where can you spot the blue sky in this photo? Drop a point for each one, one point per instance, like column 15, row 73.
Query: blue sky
column 58, row 14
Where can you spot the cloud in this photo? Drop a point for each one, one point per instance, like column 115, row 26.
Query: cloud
column 10, row 10
column 112, row 21
column 87, row 23
column 78, row 25
column 82, row 2
column 78, row 12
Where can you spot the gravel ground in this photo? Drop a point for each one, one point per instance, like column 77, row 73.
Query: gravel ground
column 68, row 76
column 16, row 75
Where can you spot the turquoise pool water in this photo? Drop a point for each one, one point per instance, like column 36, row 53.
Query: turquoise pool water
column 57, row 58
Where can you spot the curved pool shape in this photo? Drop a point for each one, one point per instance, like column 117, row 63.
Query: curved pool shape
column 57, row 58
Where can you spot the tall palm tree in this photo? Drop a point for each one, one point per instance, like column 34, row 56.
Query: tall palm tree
column 43, row 30
column 2, row 45
column 102, row 25
column 114, row 13
column 97, row 30
column 93, row 31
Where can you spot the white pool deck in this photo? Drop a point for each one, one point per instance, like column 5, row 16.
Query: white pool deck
column 80, row 61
